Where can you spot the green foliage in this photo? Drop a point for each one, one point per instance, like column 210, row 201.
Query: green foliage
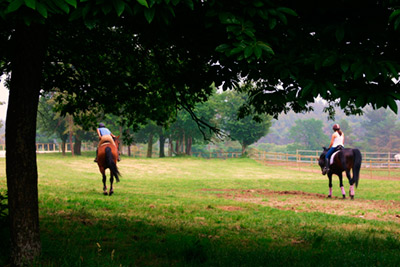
column 246, row 130
column 381, row 130
column 3, row 211
column 308, row 134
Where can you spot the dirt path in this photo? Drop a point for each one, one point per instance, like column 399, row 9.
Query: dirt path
column 310, row 202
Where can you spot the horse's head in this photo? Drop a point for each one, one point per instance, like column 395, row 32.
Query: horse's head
column 321, row 160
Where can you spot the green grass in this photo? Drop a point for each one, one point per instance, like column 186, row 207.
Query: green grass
column 170, row 212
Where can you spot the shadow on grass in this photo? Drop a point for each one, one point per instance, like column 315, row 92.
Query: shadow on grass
column 80, row 239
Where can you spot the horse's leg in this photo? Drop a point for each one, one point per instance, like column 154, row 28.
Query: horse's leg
column 104, row 183
column 341, row 185
column 351, row 182
column 330, row 185
column 111, row 183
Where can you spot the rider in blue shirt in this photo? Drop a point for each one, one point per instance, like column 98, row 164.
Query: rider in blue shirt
column 101, row 131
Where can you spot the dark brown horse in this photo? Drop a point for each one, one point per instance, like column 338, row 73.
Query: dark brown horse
column 345, row 160
column 107, row 157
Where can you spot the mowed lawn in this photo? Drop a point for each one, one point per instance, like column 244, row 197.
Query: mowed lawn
column 199, row 212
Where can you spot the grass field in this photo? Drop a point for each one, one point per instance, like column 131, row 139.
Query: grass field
column 198, row 212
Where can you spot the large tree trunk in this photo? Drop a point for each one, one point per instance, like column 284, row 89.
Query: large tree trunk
column 29, row 44
column 162, row 144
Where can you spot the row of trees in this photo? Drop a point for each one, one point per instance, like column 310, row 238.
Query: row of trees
column 375, row 130
column 220, row 113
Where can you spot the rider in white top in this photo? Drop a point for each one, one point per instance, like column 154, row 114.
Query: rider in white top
column 336, row 140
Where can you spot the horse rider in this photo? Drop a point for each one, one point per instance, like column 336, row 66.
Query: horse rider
column 103, row 131
column 336, row 140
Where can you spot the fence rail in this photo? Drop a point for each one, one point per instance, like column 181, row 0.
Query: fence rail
column 372, row 161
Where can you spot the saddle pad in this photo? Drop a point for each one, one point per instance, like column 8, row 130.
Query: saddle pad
column 106, row 139
column 333, row 155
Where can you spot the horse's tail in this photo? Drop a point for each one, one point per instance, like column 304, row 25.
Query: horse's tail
column 111, row 164
column 357, row 165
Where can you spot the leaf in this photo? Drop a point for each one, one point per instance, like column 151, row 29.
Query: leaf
column 14, row 5
column 272, row 23
column 360, row 101
column 394, row 14
column 340, row 34
column 287, row 11
column 345, row 66
column 266, row 47
column 41, row 9
column 190, row 4
column 76, row 14
column 392, row 68
column 248, row 51
column 307, row 89
column 62, row 5
column 329, row 61
column 257, row 51
column 222, row 48
column 392, row 104
column 258, row 3
column 31, row 4
column 72, row 3
column 236, row 50
column 344, row 99
column 143, row 3
column 119, row 6
column 149, row 14
column 106, row 8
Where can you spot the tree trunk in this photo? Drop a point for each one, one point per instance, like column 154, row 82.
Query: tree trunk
column 77, row 145
column 129, row 150
column 171, row 146
column 29, row 44
column 189, row 146
column 71, row 146
column 177, row 147
column 162, row 144
column 150, row 146
column 71, row 132
column 243, row 150
column 63, row 145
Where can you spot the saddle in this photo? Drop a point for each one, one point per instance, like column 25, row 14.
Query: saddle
column 106, row 139
column 337, row 149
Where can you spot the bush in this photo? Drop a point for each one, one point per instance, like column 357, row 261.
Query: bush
column 3, row 211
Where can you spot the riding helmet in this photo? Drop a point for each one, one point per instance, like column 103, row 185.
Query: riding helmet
column 101, row 125
column 336, row 127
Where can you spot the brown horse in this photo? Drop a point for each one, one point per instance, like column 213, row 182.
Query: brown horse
column 107, row 156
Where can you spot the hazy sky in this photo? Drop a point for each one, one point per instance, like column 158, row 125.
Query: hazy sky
column 3, row 98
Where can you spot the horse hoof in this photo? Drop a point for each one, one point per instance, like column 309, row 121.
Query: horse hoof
column 352, row 197
column 344, row 196
column 111, row 192
column 329, row 196
column 105, row 193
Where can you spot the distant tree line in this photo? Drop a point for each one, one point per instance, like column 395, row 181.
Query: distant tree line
column 211, row 121
column 375, row 130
